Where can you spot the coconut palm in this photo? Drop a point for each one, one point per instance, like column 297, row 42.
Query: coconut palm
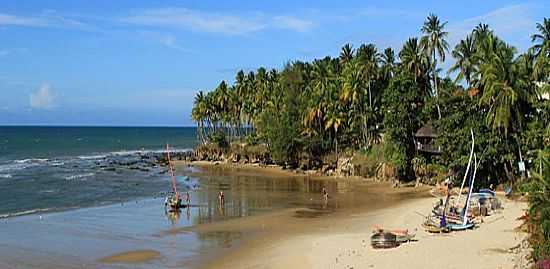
column 369, row 58
column 334, row 120
column 480, row 32
column 412, row 58
column 433, row 43
column 542, row 38
column 464, row 55
column 505, row 88
column 541, row 50
column 198, row 114
column 388, row 63
column 346, row 54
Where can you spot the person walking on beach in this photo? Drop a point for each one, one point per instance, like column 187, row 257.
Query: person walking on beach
column 221, row 198
column 187, row 199
column 325, row 194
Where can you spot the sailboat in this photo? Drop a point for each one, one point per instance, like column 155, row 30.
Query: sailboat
column 173, row 200
column 466, row 223
column 446, row 221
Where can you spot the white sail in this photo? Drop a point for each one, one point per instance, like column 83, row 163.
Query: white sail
column 467, row 169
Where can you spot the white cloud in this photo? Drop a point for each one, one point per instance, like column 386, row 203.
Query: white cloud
column 165, row 39
column 292, row 23
column 42, row 98
column 211, row 22
column 194, row 20
column 7, row 19
column 48, row 18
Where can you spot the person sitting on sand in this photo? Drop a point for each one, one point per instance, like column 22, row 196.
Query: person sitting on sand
column 221, row 197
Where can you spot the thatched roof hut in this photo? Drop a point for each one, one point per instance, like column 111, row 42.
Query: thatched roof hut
column 426, row 131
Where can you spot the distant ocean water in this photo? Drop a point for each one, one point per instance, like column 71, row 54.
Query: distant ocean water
column 57, row 168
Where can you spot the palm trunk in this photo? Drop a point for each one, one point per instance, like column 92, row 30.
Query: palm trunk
column 435, row 88
column 370, row 97
column 336, row 142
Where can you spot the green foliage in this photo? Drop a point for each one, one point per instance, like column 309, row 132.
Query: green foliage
column 218, row 138
column 497, row 153
column 402, row 106
column 538, row 190
column 365, row 100
column 279, row 124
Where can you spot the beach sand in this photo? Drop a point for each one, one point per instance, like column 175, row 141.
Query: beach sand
column 290, row 227
column 346, row 243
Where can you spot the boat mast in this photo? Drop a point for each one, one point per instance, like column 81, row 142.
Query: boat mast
column 171, row 169
column 467, row 205
column 467, row 169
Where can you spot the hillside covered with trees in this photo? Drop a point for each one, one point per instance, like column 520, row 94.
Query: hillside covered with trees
column 369, row 102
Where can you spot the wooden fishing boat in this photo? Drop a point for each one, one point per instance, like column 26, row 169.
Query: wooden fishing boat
column 173, row 201
column 383, row 240
column 432, row 226
column 402, row 236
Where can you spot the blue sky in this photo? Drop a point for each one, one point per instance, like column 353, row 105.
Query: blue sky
column 141, row 62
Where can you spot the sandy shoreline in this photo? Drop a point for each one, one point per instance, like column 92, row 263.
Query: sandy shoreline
column 348, row 245
column 304, row 233
column 343, row 240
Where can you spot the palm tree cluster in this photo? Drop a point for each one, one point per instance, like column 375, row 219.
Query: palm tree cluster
column 337, row 103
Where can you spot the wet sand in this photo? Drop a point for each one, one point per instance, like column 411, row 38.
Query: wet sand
column 136, row 256
column 345, row 243
column 271, row 219
column 138, row 234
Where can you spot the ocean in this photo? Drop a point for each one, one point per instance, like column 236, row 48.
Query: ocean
column 58, row 168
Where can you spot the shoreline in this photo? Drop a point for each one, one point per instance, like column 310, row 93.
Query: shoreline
column 348, row 246
column 343, row 240
column 305, row 235
column 272, row 170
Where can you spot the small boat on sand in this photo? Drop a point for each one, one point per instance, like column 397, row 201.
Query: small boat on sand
column 173, row 201
column 382, row 238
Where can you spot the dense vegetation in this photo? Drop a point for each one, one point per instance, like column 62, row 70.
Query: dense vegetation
column 369, row 98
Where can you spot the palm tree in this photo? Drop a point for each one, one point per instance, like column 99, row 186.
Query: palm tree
column 542, row 50
column 388, row 63
column 481, row 31
column 412, row 58
column 198, row 114
column 346, row 54
column 353, row 92
column 334, row 120
column 433, row 42
column 464, row 55
column 369, row 58
column 542, row 38
column 505, row 88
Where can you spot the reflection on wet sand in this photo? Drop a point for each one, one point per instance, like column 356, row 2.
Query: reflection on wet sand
column 246, row 195
column 136, row 256
column 274, row 205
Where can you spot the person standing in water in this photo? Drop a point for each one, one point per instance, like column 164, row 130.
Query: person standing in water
column 187, row 198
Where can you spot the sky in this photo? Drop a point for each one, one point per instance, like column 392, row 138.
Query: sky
column 140, row 63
